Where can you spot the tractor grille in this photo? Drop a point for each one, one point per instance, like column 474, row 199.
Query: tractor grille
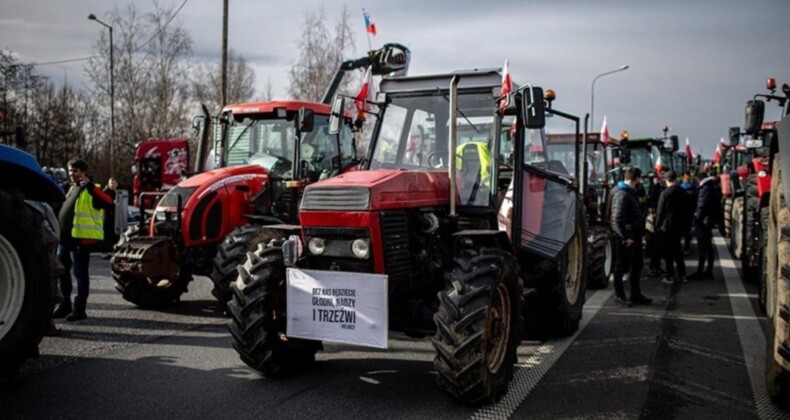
column 343, row 198
column 395, row 236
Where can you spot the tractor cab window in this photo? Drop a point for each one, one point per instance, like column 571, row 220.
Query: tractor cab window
column 413, row 135
column 268, row 142
column 534, row 150
column 320, row 153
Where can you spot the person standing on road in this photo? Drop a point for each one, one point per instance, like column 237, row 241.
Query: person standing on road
column 652, row 245
column 628, row 227
column 81, row 219
column 673, row 216
column 691, row 190
column 707, row 215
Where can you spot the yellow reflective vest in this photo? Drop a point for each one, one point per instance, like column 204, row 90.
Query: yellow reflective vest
column 485, row 160
column 88, row 221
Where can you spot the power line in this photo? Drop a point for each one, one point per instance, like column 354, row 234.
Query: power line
column 71, row 60
column 163, row 27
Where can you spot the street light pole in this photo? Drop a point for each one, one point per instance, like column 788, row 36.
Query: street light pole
column 592, row 90
column 112, row 96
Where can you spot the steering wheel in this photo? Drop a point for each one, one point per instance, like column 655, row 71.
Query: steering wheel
column 435, row 160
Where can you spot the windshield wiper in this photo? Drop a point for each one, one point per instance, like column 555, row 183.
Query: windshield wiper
column 462, row 114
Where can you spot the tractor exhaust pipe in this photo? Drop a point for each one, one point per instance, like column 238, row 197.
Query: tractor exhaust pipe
column 452, row 140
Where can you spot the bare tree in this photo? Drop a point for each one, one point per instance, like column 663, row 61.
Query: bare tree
column 241, row 82
column 321, row 52
column 152, row 97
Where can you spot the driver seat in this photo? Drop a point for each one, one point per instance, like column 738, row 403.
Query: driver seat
column 471, row 170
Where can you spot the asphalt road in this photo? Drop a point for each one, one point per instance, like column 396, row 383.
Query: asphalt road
column 694, row 354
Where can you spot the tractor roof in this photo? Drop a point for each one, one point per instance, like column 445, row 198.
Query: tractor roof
column 469, row 79
column 567, row 138
column 271, row 106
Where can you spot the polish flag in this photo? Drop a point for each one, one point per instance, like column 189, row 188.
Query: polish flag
column 716, row 155
column 604, row 132
column 366, row 92
column 370, row 25
column 658, row 165
column 507, row 87
column 689, row 153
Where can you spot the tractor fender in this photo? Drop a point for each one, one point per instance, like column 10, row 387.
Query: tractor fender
column 783, row 138
column 27, row 176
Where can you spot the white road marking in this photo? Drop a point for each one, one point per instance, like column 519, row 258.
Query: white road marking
column 530, row 371
column 750, row 333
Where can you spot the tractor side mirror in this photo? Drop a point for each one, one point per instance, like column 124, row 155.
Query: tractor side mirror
column 735, row 136
column 533, row 107
column 198, row 121
column 755, row 110
column 306, row 120
column 336, row 116
column 675, row 143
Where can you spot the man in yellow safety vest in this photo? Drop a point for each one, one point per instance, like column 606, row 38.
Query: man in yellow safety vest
column 81, row 229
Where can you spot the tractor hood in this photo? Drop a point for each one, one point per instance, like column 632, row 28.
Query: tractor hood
column 379, row 190
column 223, row 176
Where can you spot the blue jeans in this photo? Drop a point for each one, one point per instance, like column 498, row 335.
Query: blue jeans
column 73, row 255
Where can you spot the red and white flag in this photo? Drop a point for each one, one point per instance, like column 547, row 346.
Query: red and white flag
column 717, row 154
column 370, row 25
column 365, row 94
column 604, row 132
column 507, row 87
column 689, row 153
column 658, row 168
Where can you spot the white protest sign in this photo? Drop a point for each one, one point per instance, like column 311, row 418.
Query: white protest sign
column 338, row 306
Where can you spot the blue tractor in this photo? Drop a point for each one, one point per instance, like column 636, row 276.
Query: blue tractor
column 27, row 243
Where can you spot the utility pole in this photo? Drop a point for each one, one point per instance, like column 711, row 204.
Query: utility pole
column 224, row 80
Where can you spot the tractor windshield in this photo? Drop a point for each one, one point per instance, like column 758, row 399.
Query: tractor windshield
column 645, row 158
column 413, row 135
column 269, row 142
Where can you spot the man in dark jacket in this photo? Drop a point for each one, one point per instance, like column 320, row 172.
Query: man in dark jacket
column 652, row 245
column 706, row 216
column 673, row 217
column 628, row 227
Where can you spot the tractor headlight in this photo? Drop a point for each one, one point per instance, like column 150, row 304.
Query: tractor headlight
column 160, row 216
column 361, row 248
column 317, row 246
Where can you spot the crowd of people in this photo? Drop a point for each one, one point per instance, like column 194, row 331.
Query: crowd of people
column 678, row 207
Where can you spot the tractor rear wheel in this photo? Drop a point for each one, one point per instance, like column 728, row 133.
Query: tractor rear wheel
column 25, row 288
column 750, row 265
column 230, row 254
column 727, row 225
column 777, row 332
column 478, row 326
column 151, row 293
column 258, row 311
column 601, row 257
column 736, row 229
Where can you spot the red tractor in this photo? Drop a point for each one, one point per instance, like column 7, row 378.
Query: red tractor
column 266, row 153
column 773, row 170
column 432, row 238
column 159, row 165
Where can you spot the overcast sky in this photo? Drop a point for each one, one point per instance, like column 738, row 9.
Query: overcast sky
column 693, row 64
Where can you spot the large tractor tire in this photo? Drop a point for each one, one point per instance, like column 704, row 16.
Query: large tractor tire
column 230, row 254
column 777, row 332
column 736, row 230
column 478, row 326
column 151, row 293
column 601, row 257
column 25, row 288
column 727, row 216
column 751, row 259
column 258, row 311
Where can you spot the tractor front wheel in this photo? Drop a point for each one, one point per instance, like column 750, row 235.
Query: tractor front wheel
column 258, row 311
column 478, row 326
column 230, row 254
